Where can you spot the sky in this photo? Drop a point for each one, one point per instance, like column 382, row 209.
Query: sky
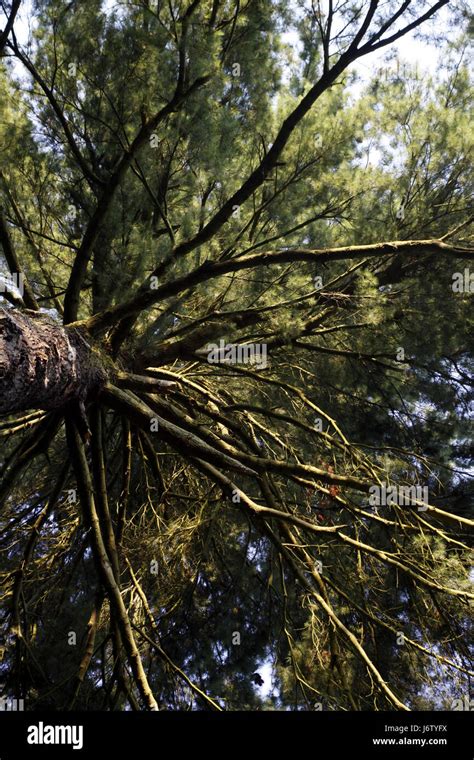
column 422, row 56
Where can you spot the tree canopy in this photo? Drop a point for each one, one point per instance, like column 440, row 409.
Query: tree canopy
column 268, row 504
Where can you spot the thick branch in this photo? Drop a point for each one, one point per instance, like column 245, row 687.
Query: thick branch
column 9, row 25
column 181, row 440
column 146, row 297
column 84, row 482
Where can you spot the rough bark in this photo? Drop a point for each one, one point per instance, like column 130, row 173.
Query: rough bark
column 44, row 365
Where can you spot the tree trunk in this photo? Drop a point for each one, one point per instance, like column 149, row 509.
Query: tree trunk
column 44, row 365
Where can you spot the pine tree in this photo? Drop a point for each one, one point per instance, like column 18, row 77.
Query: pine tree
column 235, row 317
